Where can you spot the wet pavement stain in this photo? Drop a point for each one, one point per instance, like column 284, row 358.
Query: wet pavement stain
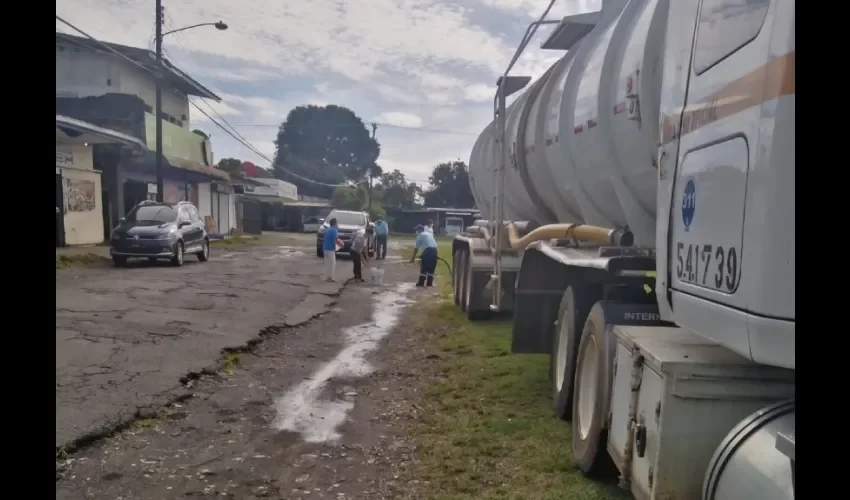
column 303, row 410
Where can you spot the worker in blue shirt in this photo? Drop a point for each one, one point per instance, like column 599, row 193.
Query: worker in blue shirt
column 381, row 233
column 426, row 244
column 329, row 246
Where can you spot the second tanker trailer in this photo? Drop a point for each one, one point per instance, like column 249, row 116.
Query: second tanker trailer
column 638, row 221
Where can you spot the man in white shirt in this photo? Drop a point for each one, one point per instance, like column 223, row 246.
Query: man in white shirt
column 359, row 251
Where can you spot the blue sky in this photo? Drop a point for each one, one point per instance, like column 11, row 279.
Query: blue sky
column 425, row 70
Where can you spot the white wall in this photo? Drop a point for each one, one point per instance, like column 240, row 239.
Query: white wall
column 204, row 200
column 83, row 73
column 81, row 227
column 232, row 209
column 275, row 187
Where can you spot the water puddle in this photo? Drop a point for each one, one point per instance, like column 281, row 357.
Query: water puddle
column 302, row 408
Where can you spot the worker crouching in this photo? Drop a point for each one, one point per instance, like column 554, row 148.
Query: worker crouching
column 427, row 245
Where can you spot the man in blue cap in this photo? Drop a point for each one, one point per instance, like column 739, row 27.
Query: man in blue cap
column 426, row 244
column 381, row 232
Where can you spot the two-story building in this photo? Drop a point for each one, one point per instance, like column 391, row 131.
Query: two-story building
column 117, row 92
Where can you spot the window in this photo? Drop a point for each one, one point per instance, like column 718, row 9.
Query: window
column 183, row 214
column 724, row 27
column 152, row 213
column 348, row 218
column 194, row 215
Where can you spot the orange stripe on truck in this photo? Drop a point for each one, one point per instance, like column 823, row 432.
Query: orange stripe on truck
column 770, row 81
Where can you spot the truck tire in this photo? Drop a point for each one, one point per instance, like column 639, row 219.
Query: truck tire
column 470, row 285
column 457, row 275
column 588, row 437
column 575, row 306
column 461, row 277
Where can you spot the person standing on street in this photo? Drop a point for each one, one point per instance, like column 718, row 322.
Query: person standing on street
column 426, row 244
column 329, row 247
column 381, row 233
column 359, row 253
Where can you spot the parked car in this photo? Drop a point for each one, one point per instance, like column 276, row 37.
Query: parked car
column 347, row 223
column 452, row 226
column 155, row 230
column 312, row 224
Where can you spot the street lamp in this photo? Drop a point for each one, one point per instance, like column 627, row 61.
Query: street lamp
column 158, row 111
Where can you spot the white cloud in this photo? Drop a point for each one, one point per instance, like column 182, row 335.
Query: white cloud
column 400, row 118
column 410, row 63
column 479, row 92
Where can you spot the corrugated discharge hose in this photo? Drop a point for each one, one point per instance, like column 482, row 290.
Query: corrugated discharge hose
column 579, row 232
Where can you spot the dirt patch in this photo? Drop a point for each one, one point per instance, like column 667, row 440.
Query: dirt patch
column 74, row 260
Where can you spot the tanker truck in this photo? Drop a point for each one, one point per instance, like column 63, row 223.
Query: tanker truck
column 637, row 207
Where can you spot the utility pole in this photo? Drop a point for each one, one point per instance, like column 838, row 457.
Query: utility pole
column 158, row 112
column 374, row 129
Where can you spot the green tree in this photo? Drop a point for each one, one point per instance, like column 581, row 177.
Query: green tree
column 325, row 143
column 232, row 166
column 349, row 198
column 394, row 191
column 449, row 186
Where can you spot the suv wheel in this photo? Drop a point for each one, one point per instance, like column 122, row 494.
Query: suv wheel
column 179, row 253
column 204, row 254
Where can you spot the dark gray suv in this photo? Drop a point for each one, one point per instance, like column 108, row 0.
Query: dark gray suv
column 348, row 221
column 155, row 230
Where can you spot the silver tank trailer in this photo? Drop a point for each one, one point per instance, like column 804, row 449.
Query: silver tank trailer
column 582, row 137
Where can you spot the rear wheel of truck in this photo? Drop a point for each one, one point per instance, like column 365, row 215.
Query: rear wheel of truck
column 588, row 436
column 457, row 276
column 472, row 289
column 575, row 306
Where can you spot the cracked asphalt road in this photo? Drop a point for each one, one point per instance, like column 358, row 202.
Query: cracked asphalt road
column 126, row 337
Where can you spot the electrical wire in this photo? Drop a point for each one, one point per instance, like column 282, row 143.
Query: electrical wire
column 246, row 144
column 388, row 125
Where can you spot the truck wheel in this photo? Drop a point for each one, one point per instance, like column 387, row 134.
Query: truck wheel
column 462, row 278
column 588, row 436
column 457, row 275
column 575, row 306
column 471, row 290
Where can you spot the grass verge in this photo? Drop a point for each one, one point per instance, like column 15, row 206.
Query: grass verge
column 66, row 261
column 240, row 242
column 487, row 430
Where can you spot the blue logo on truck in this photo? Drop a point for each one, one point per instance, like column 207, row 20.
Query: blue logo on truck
column 689, row 204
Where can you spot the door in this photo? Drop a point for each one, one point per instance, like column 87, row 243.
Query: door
column 134, row 193
column 186, row 228
column 718, row 137
column 107, row 222
column 60, row 213
column 223, row 213
column 197, row 224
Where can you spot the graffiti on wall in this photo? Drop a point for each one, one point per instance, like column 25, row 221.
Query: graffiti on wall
column 79, row 195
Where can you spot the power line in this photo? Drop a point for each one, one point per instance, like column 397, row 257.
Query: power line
column 390, row 125
column 246, row 143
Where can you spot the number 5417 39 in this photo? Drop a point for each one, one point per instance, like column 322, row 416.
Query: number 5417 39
column 713, row 266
